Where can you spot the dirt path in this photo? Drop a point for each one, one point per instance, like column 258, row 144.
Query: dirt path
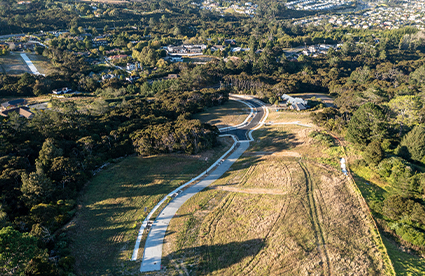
column 251, row 191
column 321, row 244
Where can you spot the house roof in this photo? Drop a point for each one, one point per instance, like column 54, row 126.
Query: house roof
column 23, row 111
column 14, row 103
column 299, row 106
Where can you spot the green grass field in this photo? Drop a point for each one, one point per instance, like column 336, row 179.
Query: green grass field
column 228, row 114
column 112, row 207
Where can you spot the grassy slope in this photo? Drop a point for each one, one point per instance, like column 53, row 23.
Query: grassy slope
column 226, row 233
column 373, row 190
column 112, row 206
column 231, row 113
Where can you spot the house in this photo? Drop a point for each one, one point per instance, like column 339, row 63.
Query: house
column 171, row 76
column 230, row 41
column 218, row 48
column 130, row 79
column 23, row 112
column 175, row 59
column 117, row 57
column 13, row 104
column 131, row 66
column 61, row 91
column 292, row 100
column 298, row 106
column 194, row 50
column 108, row 76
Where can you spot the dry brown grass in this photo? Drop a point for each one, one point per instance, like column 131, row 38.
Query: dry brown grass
column 288, row 116
column 112, row 206
column 13, row 64
column 313, row 225
column 229, row 114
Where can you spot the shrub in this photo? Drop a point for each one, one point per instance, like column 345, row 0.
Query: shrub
column 324, row 138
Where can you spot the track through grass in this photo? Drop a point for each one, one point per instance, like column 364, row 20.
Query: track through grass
column 321, row 244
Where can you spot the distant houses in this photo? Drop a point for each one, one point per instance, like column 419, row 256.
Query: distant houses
column 186, row 49
column 117, row 57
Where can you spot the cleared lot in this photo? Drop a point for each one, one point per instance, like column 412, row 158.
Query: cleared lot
column 316, row 227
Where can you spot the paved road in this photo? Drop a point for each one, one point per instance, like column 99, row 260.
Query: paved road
column 30, row 64
column 152, row 255
column 242, row 133
column 153, row 247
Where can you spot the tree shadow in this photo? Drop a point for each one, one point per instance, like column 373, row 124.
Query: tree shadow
column 272, row 139
column 218, row 256
column 371, row 192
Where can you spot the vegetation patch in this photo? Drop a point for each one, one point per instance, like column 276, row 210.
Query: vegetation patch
column 113, row 203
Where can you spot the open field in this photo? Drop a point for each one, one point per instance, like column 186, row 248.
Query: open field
column 228, row 114
column 41, row 63
column 288, row 116
column 13, row 64
column 314, row 223
column 111, row 208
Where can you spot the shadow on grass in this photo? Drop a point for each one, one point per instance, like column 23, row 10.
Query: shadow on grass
column 245, row 161
column 273, row 139
column 220, row 256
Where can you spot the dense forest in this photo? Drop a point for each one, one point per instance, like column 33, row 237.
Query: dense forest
column 377, row 79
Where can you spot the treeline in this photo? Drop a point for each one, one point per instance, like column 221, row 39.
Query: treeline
column 381, row 111
column 45, row 162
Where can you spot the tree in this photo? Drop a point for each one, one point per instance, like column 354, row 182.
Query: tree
column 406, row 110
column 74, row 30
column 373, row 153
column 176, row 31
column 36, row 188
column 383, row 55
column 16, row 251
column 46, row 155
column 413, row 144
column 367, row 124
column 418, row 76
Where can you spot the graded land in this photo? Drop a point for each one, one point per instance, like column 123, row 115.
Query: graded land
column 284, row 208
column 13, row 64
column 229, row 114
column 111, row 208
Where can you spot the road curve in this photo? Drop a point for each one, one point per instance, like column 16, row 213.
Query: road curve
column 152, row 255
column 242, row 132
